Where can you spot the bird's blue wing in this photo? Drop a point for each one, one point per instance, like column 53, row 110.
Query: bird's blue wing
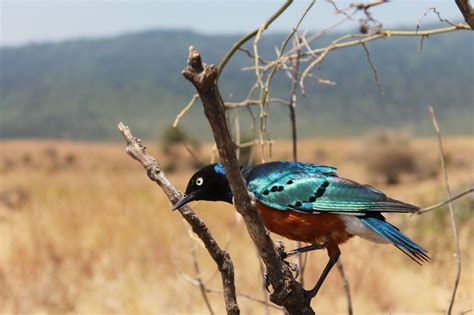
column 314, row 188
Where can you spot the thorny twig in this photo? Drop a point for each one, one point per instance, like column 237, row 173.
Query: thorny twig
column 451, row 211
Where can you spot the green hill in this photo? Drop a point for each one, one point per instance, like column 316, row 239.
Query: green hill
column 80, row 89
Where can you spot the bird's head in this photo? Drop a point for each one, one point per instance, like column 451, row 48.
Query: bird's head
column 209, row 183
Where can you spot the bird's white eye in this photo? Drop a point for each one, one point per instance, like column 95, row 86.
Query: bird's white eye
column 199, row 181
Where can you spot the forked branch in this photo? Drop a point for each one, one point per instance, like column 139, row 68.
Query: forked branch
column 287, row 291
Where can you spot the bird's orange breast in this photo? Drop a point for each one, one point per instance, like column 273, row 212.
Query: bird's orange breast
column 308, row 228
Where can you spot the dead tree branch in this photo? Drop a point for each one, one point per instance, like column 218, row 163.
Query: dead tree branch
column 287, row 291
column 467, row 11
column 224, row 263
column 451, row 211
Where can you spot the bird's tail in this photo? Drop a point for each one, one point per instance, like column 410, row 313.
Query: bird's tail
column 397, row 238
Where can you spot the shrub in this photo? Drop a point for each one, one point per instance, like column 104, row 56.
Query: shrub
column 172, row 140
column 172, row 136
column 389, row 154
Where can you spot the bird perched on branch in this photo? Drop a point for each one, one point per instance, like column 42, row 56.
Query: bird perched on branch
column 310, row 203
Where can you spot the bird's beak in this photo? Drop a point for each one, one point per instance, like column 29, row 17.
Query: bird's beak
column 187, row 198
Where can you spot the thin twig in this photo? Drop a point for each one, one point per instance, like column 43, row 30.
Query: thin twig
column 193, row 155
column 451, row 212
column 198, row 278
column 347, row 288
column 185, row 110
column 294, row 138
column 418, row 21
column 250, row 102
column 336, row 44
column 374, row 69
column 248, row 297
column 442, row 203
column 250, row 35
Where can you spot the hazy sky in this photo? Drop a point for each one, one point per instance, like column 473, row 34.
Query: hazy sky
column 35, row 20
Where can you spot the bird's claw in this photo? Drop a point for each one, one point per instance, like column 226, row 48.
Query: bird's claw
column 293, row 267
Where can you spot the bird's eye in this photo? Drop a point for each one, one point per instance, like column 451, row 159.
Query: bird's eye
column 199, row 181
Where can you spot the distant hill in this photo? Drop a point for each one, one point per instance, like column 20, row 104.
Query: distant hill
column 80, row 89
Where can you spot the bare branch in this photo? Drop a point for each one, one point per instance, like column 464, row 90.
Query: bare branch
column 200, row 283
column 467, row 11
column 440, row 204
column 249, row 102
column 250, row 35
column 435, row 11
column 366, row 38
column 374, row 69
column 137, row 151
column 185, row 110
column 451, row 211
column 287, row 292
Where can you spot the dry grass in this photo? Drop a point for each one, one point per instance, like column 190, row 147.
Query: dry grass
column 96, row 236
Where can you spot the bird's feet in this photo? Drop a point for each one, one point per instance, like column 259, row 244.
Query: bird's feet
column 293, row 267
column 280, row 247
column 283, row 255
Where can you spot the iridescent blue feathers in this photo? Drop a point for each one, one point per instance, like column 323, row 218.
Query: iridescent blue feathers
column 315, row 188
column 397, row 238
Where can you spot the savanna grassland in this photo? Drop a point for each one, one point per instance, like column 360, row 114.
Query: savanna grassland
column 84, row 231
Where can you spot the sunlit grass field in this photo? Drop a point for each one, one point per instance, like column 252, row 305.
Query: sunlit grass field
column 83, row 230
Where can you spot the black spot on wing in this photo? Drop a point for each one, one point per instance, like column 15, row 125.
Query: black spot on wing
column 321, row 190
column 318, row 194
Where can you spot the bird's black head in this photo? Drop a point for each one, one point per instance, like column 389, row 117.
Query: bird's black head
column 209, row 183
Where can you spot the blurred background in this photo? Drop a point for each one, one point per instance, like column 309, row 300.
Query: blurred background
column 82, row 229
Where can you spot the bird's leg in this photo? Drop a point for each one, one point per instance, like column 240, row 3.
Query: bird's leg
column 303, row 249
column 334, row 254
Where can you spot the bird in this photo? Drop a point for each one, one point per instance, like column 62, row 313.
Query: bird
column 310, row 203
